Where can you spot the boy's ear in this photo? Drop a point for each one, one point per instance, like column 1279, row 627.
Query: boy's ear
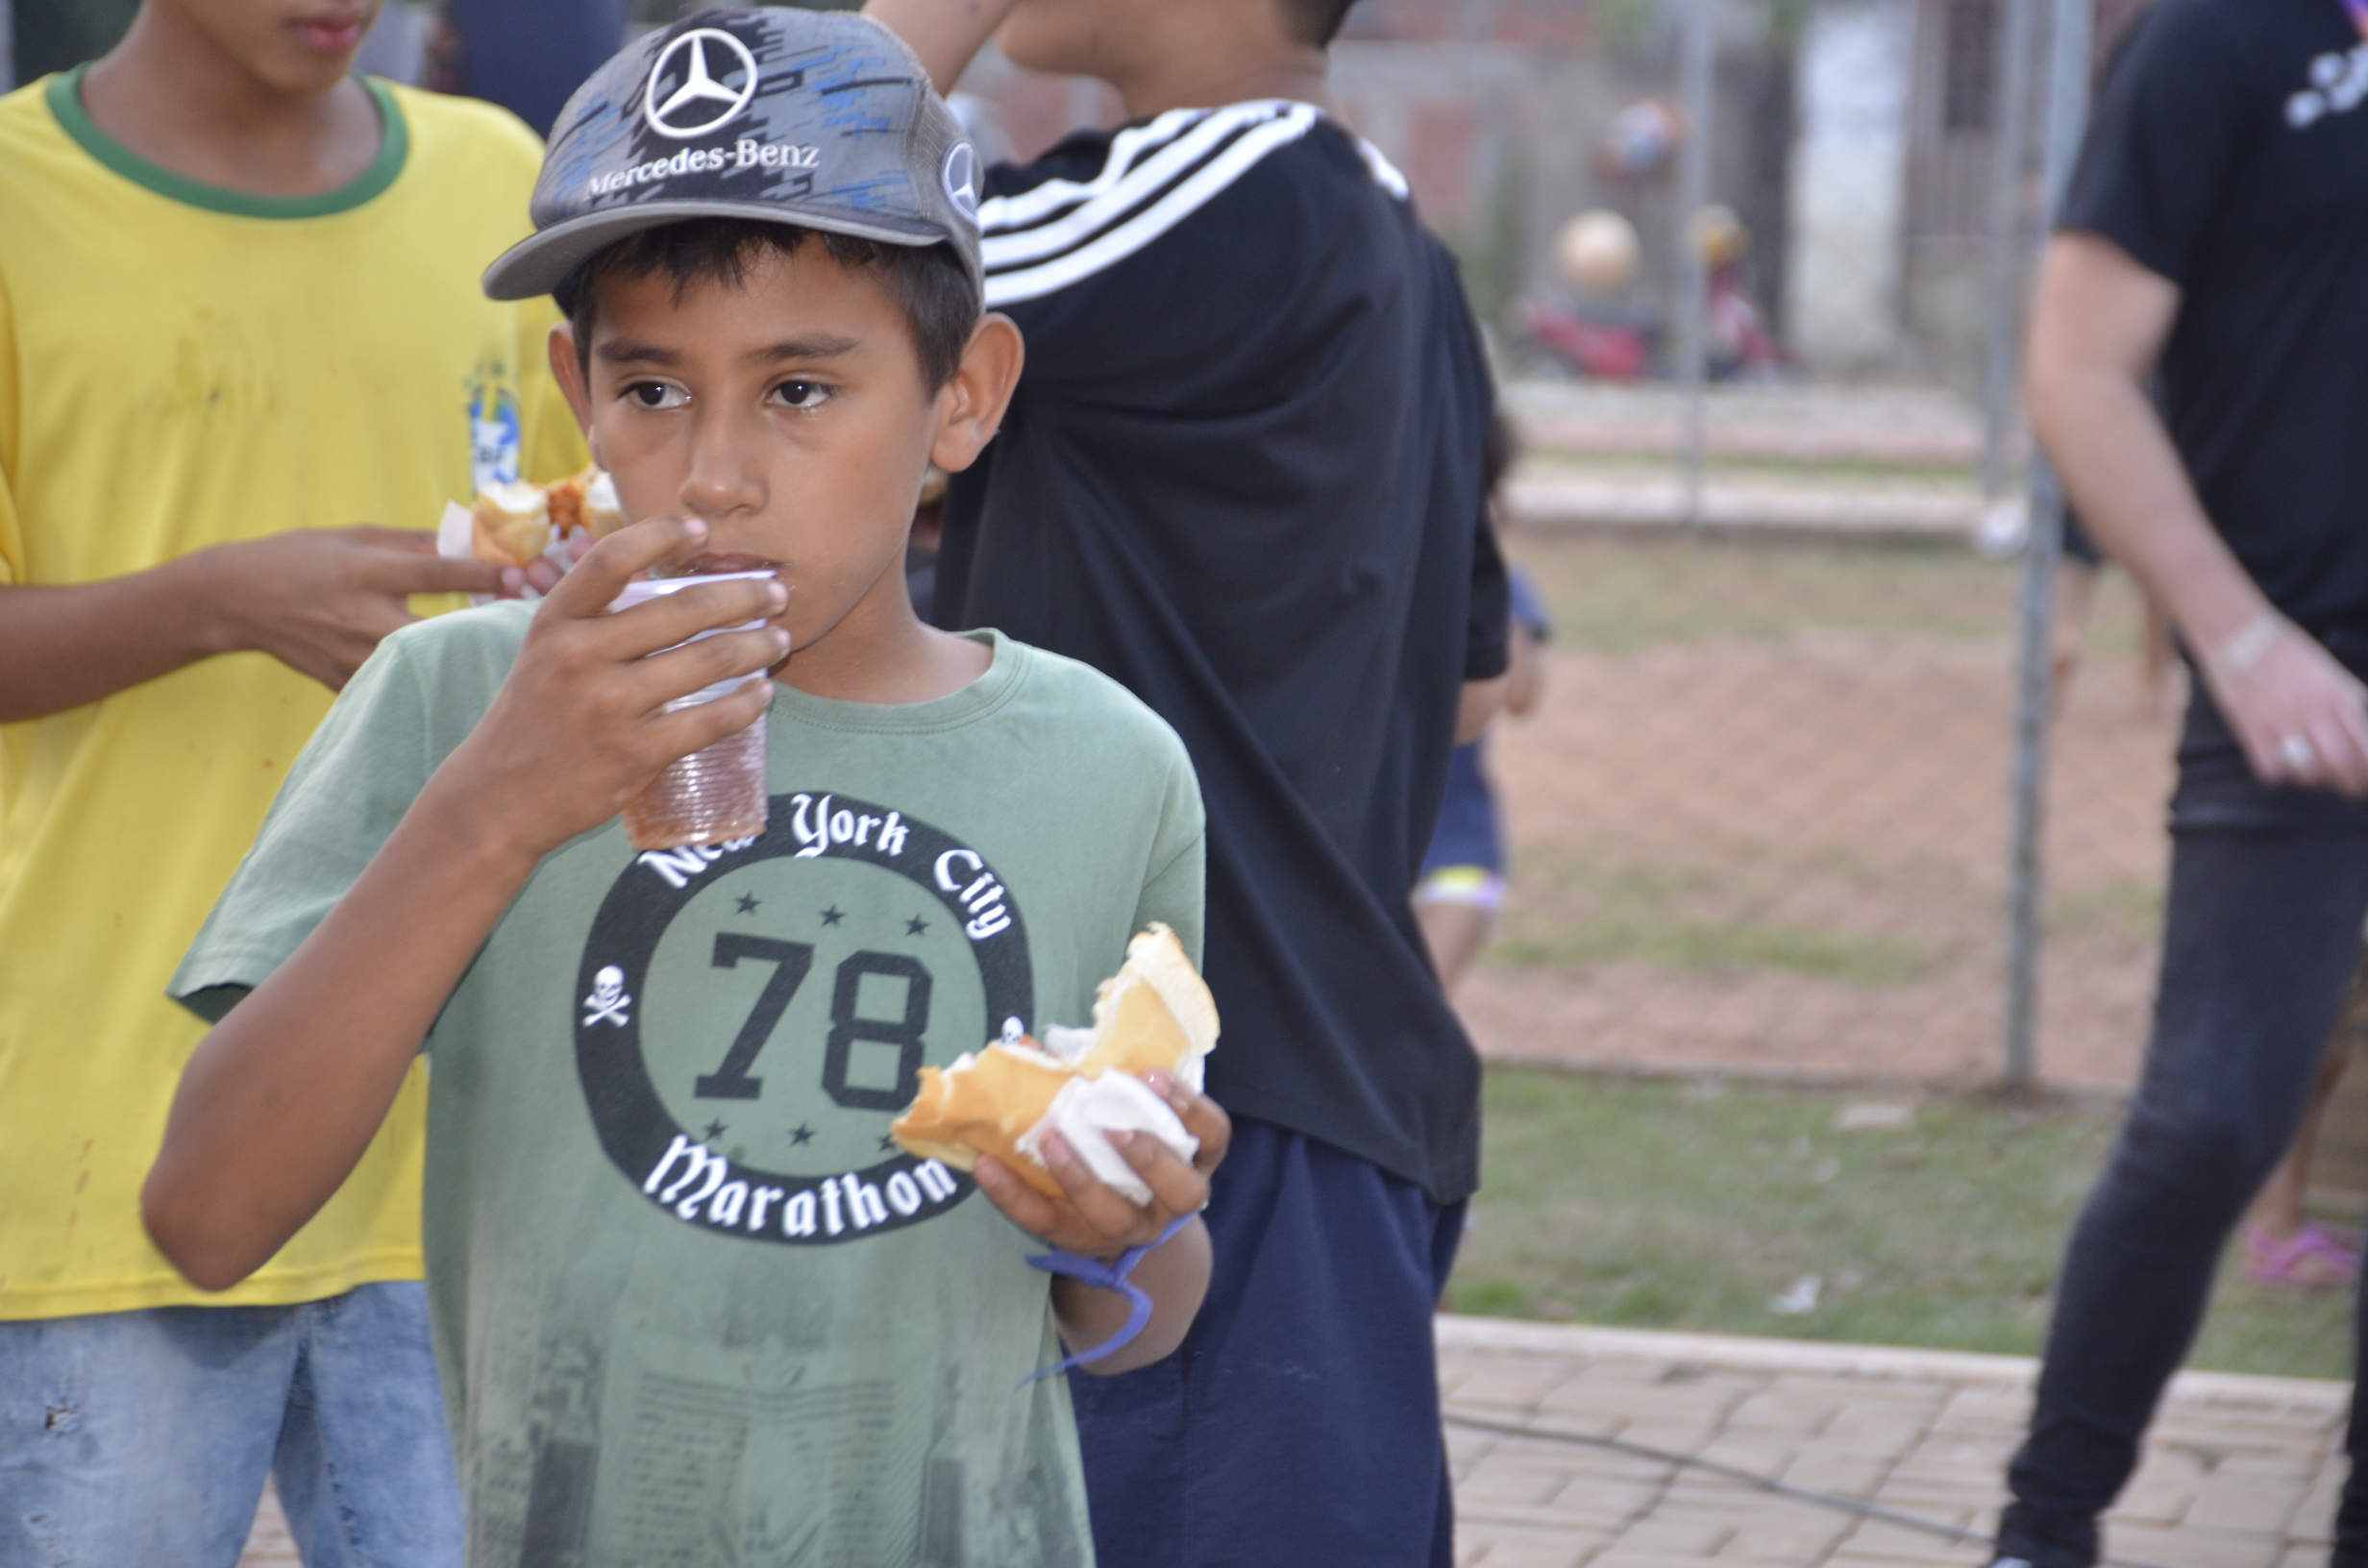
column 969, row 406
column 567, row 369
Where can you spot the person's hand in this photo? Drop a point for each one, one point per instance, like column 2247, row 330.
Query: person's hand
column 1091, row 1219
column 319, row 599
column 2302, row 717
column 539, row 574
column 580, row 727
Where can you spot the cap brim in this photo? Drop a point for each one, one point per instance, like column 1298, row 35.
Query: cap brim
column 536, row 265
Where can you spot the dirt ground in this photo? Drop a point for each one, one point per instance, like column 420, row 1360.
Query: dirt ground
column 1789, row 858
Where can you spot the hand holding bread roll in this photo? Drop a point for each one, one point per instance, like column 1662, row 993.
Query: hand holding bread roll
column 599, row 512
column 517, row 524
column 586, row 501
column 1081, row 1083
column 510, row 524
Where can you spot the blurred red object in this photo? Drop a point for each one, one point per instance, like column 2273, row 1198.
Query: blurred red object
column 1609, row 353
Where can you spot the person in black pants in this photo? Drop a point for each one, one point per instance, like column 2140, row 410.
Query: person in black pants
column 2216, row 231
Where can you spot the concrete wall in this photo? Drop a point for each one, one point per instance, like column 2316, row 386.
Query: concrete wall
column 1847, row 185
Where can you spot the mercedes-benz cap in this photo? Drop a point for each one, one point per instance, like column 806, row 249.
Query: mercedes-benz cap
column 821, row 119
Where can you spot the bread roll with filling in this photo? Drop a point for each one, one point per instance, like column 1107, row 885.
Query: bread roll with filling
column 564, row 501
column 510, row 524
column 1154, row 1012
column 599, row 512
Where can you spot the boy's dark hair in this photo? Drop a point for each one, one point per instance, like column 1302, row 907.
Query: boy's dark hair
column 940, row 302
column 1314, row 21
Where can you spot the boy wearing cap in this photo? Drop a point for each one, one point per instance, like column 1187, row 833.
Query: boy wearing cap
column 689, row 1296
column 1242, row 475
column 239, row 321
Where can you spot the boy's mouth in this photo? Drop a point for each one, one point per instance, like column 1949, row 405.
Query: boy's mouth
column 331, row 33
column 711, row 562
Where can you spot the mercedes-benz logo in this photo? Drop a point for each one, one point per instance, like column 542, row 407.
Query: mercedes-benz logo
column 961, row 179
column 700, row 84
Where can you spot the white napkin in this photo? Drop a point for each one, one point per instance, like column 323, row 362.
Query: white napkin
column 1086, row 1108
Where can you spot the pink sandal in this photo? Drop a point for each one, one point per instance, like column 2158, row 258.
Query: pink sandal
column 2314, row 1258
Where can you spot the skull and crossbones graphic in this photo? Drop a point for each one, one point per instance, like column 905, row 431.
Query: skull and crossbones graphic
column 608, row 999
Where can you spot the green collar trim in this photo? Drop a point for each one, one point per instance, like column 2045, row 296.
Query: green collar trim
column 66, row 102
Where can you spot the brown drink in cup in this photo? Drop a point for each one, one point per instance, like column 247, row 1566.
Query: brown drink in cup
column 716, row 793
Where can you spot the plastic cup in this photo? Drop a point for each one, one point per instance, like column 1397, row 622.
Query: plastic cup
column 716, row 793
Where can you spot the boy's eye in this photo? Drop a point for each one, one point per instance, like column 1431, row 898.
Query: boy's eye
column 656, row 395
column 803, row 394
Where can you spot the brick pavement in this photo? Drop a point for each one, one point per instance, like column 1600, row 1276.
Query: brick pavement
column 269, row 1547
column 2240, row 1471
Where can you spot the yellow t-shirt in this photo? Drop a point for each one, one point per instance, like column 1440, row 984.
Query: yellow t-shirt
column 181, row 366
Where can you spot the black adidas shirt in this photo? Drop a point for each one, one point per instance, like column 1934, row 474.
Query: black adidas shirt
column 2229, row 153
column 1243, row 477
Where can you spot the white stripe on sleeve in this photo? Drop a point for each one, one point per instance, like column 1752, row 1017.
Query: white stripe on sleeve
column 1115, row 222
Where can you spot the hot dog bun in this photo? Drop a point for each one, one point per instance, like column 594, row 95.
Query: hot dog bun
column 586, row 501
column 599, row 512
column 984, row 1104
column 564, row 499
column 510, row 524
column 1154, row 1012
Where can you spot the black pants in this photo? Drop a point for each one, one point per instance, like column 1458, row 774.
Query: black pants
column 2261, row 937
column 1299, row 1422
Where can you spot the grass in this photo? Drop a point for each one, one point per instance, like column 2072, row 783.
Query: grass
column 1577, row 912
column 1675, row 1205
column 2129, row 909
column 1619, row 594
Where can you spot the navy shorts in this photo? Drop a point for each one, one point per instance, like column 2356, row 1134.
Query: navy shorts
column 1299, row 1421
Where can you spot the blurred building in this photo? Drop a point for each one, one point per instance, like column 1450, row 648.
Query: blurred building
column 1898, row 106
column 1854, row 137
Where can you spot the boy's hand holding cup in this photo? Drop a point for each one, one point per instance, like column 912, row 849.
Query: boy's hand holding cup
column 593, row 710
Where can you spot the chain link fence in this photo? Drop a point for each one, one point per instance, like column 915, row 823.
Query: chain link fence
column 1755, row 270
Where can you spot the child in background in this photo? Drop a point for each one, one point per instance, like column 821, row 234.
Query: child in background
column 689, row 1295
column 2283, row 1245
column 1242, row 476
column 1462, row 881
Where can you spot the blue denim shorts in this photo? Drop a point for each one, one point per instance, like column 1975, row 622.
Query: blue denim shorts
column 143, row 1438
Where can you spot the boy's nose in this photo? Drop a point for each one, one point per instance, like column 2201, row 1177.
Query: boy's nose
column 723, row 478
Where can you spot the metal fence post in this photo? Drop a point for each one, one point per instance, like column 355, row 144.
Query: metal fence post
column 2067, row 105
column 2010, row 157
column 1695, row 59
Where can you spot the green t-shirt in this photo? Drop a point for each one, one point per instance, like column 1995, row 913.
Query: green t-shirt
column 691, row 1305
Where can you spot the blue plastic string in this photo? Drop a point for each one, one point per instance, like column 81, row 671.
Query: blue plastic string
column 1109, row 1276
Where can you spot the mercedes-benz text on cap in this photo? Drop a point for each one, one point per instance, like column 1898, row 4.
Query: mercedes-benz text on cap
column 821, row 119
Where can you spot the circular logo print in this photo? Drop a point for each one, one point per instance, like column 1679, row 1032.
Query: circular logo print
column 691, row 89
column 961, row 177
column 750, row 1018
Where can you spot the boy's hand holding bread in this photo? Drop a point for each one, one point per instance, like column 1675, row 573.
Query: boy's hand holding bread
column 1098, row 1138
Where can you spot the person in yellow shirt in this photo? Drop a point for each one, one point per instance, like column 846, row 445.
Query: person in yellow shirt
column 239, row 325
